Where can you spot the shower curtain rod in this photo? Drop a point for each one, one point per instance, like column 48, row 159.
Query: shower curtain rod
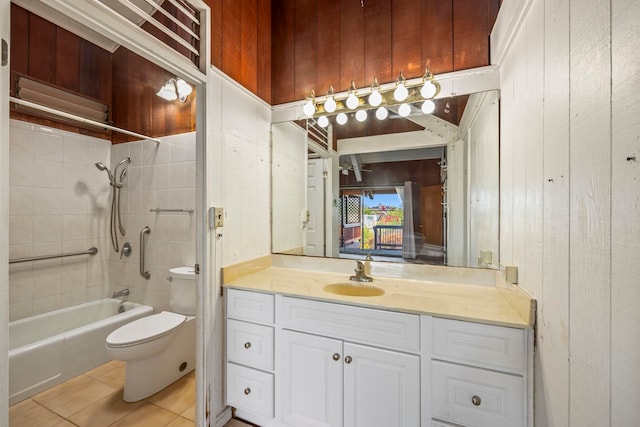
column 78, row 118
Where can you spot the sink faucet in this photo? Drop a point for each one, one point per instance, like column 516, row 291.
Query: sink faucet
column 360, row 275
column 121, row 293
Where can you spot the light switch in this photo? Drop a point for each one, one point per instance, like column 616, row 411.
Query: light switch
column 216, row 217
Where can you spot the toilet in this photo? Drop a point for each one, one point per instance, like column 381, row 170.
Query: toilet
column 159, row 349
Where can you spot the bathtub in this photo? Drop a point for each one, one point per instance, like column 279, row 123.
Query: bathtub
column 49, row 348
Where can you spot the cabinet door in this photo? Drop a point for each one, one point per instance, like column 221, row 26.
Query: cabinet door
column 381, row 388
column 311, row 380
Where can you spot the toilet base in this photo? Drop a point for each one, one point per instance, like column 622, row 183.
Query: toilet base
column 148, row 376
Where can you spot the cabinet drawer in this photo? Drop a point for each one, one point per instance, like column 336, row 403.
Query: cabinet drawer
column 388, row 329
column 477, row 397
column 477, row 344
column 250, row 344
column 252, row 306
column 250, row 390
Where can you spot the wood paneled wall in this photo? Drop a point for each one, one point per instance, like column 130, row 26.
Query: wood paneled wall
column 124, row 81
column 332, row 42
column 241, row 42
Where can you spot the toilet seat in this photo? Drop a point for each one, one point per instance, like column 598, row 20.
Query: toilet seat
column 145, row 329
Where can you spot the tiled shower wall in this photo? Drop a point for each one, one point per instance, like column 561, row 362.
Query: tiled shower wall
column 161, row 175
column 58, row 203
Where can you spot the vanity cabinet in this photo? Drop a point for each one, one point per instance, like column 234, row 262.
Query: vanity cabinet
column 478, row 374
column 339, row 380
column 298, row 362
column 250, row 351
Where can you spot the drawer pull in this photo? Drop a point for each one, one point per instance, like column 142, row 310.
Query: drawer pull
column 336, row 356
column 247, row 391
column 476, row 400
column 247, row 345
column 348, row 360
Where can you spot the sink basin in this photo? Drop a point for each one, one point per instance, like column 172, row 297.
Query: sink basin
column 354, row 289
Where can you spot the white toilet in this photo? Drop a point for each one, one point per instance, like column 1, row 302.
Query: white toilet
column 161, row 348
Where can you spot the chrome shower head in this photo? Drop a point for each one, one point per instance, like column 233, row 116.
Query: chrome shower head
column 102, row 167
column 126, row 160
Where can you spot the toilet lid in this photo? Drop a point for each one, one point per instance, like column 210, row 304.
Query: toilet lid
column 145, row 329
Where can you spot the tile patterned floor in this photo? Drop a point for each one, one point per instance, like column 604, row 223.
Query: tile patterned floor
column 94, row 399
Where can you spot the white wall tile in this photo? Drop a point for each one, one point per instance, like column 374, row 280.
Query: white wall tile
column 48, row 174
column 22, row 140
column 47, row 228
column 21, row 171
column 20, row 229
column 49, row 145
column 47, row 201
column 75, row 227
column 20, row 200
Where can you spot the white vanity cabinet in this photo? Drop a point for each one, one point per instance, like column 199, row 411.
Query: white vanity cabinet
column 250, row 352
column 298, row 362
column 478, row 374
column 343, row 379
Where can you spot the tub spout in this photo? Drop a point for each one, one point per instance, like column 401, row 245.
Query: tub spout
column 121, row 293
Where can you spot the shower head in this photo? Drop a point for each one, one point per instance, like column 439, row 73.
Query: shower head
column 102, row 167
column 126, row 161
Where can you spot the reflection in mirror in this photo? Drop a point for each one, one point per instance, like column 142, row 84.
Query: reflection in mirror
column 419, row 189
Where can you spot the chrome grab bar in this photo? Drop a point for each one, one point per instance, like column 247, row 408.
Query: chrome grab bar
column 143, row 273
column 90, row 251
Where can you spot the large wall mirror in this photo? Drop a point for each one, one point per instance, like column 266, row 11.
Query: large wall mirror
column 416, row 189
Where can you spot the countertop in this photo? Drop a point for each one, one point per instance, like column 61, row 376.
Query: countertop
column 504, row 306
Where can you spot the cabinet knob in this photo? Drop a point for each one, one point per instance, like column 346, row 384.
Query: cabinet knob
column 247, row 391
column 247, row 345
column 476, row 400
column 336, row 356
column 348, row 360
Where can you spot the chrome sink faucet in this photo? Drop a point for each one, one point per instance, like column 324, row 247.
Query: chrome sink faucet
column 361, row 275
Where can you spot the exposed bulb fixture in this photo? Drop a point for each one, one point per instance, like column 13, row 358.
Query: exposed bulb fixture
column 401, row 92
column 428, row 106
column 352, row 99
column 404, row 110
column 361, row 115
column 330, row 104
column 341, row 118
column 381, row 113
column 323, row 121
column 175, row 89
column 375, row 98
column 345, row 171
column 431, row 87
column 309, row 108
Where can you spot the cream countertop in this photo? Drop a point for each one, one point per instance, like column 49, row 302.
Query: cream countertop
column 491, row 305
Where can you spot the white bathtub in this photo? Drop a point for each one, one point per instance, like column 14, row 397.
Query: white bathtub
column 50, row 348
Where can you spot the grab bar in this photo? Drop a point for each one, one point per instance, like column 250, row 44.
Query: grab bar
column 90, row 251
column 143, row 273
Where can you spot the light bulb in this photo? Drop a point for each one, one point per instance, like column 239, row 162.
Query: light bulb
column 341, row 118
column 168, row 91
column 375, row 98
column 352, row 101
column 330, row 105
column 404, row 110
column 361, row 115
column 309, row 108
column 345, row 171
column 428, row 90
column 323, row 121
column 381, row 113
column 401, row 93
column 428, row 106
column 184, row 88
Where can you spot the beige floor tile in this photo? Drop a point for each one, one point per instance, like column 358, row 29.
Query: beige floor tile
column 73, row 395
column 181, row 422
column 177, row 397
column 147, row 415
column 111, row 373
column 28, row 414
column 190, row 413
column 105, row 411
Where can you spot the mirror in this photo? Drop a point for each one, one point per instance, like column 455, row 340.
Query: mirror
column 417, row 189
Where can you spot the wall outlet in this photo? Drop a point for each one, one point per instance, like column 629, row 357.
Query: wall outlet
column 510, row 273
column 486, row 257
column 216, row 217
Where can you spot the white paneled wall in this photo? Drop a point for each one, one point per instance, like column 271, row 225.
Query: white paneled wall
column 570, row 201
column 161, row 175
column 58, row 202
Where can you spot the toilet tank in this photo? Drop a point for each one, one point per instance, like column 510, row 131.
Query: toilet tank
column 183, row 290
